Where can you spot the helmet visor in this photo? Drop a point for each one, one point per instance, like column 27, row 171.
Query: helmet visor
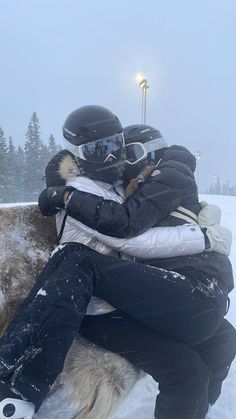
column 99, row 151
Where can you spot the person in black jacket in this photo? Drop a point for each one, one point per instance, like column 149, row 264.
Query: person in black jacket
column 183, row 299
column 175, row 312
column 171, row 185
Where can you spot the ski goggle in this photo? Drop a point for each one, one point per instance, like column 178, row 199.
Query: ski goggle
column 136, row 152
column 99, row 151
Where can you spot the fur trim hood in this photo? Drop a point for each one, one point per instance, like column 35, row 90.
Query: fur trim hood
column 62, row 168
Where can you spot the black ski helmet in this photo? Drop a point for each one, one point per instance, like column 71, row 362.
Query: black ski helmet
column 140, row 133
column 146, row 142
column 89, row 124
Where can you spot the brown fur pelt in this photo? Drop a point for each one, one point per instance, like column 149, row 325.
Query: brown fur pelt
column 26, row 239
column 135, row 183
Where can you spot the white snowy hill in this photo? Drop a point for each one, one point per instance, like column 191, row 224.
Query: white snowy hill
column 140, row 402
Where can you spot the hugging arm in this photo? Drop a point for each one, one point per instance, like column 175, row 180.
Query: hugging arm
column 146, row 208
column 154, row 200
column 156, row 242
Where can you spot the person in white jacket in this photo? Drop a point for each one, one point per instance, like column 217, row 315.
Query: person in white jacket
column 34, row 346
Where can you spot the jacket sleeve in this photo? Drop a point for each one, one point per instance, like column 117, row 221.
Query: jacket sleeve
column 146, row 208
column 160, row 242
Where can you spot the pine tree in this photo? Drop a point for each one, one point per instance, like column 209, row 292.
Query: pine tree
column 52, row 147
column 19, row 173
column 33, row 169
column 225, row 189
column 232, row 190
column 48, row 151
column 11, row 186
column 3, row 168
column 218, row 186
column 45, row 157
column 211, row 189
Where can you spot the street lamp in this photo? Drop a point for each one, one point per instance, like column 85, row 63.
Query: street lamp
column 143, row 83
column 198, row 156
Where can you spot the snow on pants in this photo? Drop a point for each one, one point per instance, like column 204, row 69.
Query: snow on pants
column 189, row 377
column 34, row 346
column 176, row 306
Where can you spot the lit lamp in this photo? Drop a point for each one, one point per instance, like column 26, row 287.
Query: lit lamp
column 143, row 83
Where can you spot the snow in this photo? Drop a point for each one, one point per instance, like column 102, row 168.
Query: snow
column 42, row 292
column 17, row 204
column 140, row 402
column 228, row 207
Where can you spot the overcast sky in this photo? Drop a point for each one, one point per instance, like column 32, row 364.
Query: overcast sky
column 56, row 55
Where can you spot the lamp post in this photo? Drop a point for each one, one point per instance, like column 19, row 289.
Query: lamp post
column 198, row 156
column 143, row 83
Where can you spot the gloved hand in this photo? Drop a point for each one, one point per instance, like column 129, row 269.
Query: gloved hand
column 52, row 199
column 219, row 237
column 209, row 215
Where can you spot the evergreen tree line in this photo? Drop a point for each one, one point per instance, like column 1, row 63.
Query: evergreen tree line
column 217, row 188
column 22, row 169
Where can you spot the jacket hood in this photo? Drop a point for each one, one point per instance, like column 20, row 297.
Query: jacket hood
column 180, row 154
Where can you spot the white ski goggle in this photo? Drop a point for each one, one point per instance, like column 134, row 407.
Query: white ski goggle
column 136, row 152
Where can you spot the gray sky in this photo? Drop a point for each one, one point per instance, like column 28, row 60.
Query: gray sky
column 57, row 55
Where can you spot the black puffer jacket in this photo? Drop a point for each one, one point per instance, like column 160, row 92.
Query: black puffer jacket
column 147, row 206
column 169, row 187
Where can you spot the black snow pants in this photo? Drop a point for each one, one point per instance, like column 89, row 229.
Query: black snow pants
column 190, row 377
column 34, row 346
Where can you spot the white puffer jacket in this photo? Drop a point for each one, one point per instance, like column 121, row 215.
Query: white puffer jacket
column 158, row 242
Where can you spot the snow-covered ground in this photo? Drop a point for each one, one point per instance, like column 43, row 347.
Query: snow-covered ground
column 140, row 403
